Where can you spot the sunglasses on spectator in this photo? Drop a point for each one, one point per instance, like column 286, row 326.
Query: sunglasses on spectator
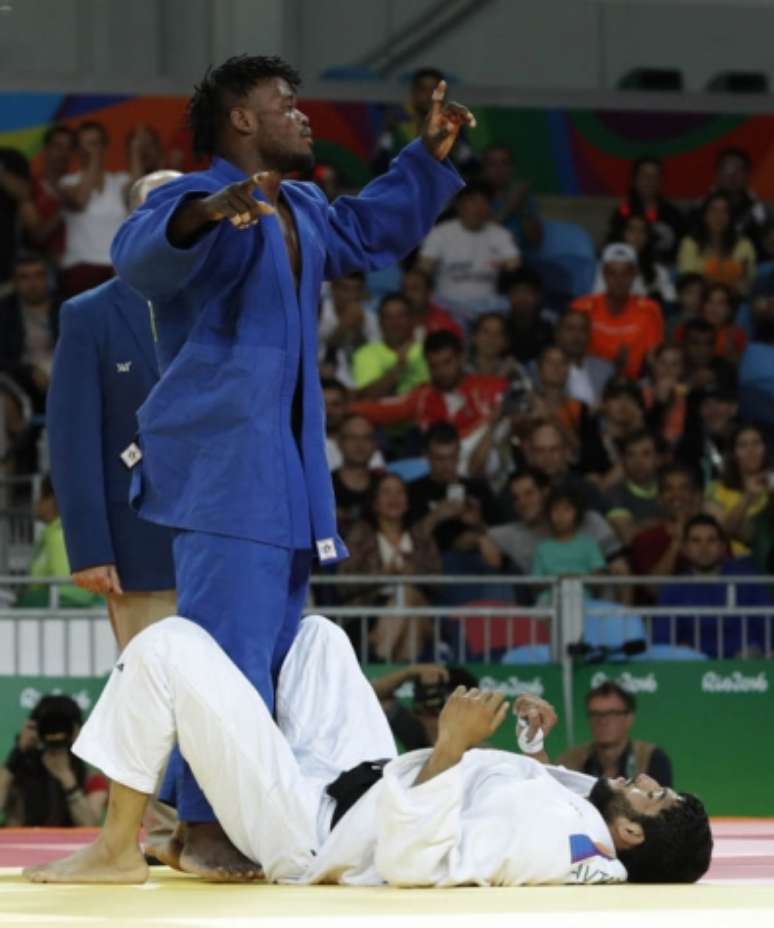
column 596, row 715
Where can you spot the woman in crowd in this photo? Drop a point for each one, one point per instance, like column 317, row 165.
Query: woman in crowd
column 383, row 543
column 715, row 250
column 653, row 279
column 742, row 493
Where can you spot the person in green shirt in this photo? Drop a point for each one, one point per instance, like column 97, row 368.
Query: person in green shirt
column 567, row 551
column 396, row 364
column 50, row 560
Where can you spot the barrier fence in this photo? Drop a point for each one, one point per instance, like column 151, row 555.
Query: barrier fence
column 714, row 717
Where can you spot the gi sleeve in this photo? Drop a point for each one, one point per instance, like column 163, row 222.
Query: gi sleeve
column 143, row 255
column 420, row 827
column 74, row 421
column 391, row 215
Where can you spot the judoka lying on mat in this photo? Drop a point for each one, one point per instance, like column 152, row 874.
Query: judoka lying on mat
column 320, row 796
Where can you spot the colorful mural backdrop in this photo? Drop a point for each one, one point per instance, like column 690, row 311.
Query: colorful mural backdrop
column 569, row 152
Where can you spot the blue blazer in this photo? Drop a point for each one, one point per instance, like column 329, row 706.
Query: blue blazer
column 235, row 337
column 104, row 367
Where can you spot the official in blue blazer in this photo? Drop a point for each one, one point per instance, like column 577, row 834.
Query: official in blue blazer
column 104, row 367
column 232, row 438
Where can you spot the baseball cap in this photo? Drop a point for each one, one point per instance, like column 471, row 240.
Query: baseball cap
column 619, row 251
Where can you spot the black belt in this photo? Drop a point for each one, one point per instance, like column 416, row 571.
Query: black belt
column 349, row 786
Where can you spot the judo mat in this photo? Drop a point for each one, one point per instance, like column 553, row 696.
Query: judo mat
column 738, row 891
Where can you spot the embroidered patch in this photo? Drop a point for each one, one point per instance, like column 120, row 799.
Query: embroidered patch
column 326, row 549
column 131, row 455
column 123, row 367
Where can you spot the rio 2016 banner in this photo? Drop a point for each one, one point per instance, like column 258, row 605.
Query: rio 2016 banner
column 561, row 151
column 714, row 719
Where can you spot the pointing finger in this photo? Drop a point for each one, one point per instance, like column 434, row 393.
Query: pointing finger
column 439, row 95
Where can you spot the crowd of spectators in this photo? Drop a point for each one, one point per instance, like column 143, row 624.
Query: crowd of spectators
column 477, row 422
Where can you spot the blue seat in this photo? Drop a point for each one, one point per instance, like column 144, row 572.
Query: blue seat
column 565, row 259
column 409, row 469
column 527, row 654
column 613, row 628
column 670, row 652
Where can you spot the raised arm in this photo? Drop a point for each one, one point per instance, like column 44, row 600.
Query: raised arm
column 393, row 213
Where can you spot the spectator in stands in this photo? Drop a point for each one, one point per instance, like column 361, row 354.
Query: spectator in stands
column 550, row 400
column 415, row 725
column 657, row 548
column 457, row 510
column 622, row 414
column 512, row 203
column 732, row 178
column 467, row 401
column 49, row 559
column 567, row 550
column 653, row 279
column 144, row 152
column 690, row 296
column 335, row 399
column 719, row 309
column 624, row 328
column 489, row 354
column 95, row 203
column 14, row 191
column 345, row 324
column 465, row 255
column 756, row 372
column 28, row 328
column 716, row 250
column 405, row 124
column 705, row 549
column 546, row 450
column 633, row 501
column 588, row 374
column 354, row 479
column 428, row 316
column 395, row 364
column 742, row 492
column 665, row 393
column 42, row 783
column 383, row 543
column 644, row 198
column 702, row 365
column 710, row 421
column 530, row 325
column 517, row 541
column 41, row 214
column 611, row 752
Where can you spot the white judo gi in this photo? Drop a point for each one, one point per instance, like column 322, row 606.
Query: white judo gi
column 495, row 818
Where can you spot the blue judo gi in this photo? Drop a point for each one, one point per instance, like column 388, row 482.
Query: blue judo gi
column 233, row 435
column 104, row 367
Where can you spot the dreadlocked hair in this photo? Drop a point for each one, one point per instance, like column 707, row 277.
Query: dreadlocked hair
column 677, row 846
column 232, row 80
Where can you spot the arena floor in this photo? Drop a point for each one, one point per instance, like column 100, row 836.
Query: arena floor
column 738, row 891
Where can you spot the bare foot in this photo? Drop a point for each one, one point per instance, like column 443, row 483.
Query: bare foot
column 96, row 863
column 208, row 853
column 167, row 850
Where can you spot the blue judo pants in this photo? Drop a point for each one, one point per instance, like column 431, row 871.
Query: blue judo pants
column 249, row 597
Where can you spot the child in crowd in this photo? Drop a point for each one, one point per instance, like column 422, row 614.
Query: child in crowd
column 567, row 551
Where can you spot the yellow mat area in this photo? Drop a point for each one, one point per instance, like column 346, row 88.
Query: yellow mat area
column 174, row 899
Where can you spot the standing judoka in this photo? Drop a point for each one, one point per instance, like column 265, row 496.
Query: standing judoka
column 232, row 438
column 104, row 368
column 306, row 796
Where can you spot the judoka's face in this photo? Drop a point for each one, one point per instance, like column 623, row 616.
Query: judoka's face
column 282, row 134
column 633, row 799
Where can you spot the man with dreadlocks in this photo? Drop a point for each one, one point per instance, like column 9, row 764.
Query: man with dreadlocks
column 231, row 444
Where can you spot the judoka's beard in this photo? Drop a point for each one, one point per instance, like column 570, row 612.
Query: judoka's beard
column 608, row 803
column 288, row 162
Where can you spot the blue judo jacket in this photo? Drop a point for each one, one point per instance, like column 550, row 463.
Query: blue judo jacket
column 235, row 336
column 104, row 367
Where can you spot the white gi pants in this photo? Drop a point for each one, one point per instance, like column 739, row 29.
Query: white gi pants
column 267, row 786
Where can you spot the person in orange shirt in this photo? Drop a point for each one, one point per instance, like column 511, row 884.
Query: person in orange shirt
column 624, row 328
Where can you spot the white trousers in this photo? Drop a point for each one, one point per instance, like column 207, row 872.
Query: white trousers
column 266, row 783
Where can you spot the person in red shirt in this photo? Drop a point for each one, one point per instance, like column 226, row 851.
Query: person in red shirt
column 41, row 213
column 624, row 328
column 467, row 401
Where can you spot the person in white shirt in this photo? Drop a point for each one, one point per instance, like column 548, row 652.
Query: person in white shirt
column 95, row 205
column 320, row 796
column 465, row 256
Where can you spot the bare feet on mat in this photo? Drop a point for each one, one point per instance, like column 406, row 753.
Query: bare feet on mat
column 208, row 853
column 167, row 850
column 96, row 863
